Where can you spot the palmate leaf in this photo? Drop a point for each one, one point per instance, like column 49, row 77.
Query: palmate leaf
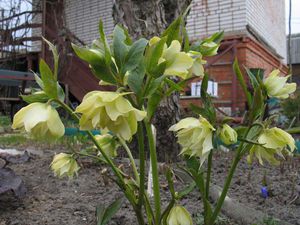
column 104, row 214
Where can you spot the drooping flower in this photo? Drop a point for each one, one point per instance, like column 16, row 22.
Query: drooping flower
column 108, row 144
column 195, row 136
column 228, row 135
column 178, row 63
column 40, row 120
column 274, row 141
column 64, row 165
column 277, row 86
column 109, row 110
column 197, row 69
column 179, row 216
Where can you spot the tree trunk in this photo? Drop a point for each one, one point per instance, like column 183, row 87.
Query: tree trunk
column 148, row 18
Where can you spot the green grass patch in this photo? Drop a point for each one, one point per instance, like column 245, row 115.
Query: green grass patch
column 5, row 121
column 12, row 140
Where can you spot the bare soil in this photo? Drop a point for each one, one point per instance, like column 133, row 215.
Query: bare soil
column 53, row 201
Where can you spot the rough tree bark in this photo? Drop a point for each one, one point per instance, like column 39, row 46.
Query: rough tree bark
column 147, row 18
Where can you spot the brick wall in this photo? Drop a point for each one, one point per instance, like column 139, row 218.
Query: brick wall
column 250, row 54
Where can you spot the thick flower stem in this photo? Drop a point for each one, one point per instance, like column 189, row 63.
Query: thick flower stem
column 155, row 177
column 128, row 151
column 108, row 160
column 140, row 137
column 226, row 186
column 207, row 184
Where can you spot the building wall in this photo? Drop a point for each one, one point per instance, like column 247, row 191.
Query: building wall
column 295, row 49
column 207, row 17
column 82, row 18
column 267, row 17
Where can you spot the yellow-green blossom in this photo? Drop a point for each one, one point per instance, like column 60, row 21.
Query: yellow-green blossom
column 210, row 48
column 228, row 135
column 274, row 141
column 178, row 62
column 179, row 216
column 109, row 110
column 64, row 165
column 277, row 86
column 197, row 69
column 108, row 144
column 40, row 120
column 195, row 136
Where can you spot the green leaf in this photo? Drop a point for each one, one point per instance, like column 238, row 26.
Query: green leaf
column 135, row 54
column 173, row 31
column 60, row 93
column 154, row 85
column 186, row 44
column 242, row 82
column 185, row 191
column 252, row 78
column 103, row 39
column 38, row 80
column 104, row 214
column 153, row 103
column 36, row 97
column 102, row 72
column 257, row 105
column 153, row 55
column 91, row 56
column 120, row 48
column 204, row 85
column 55, row 56
column 169, row 177
column 173, row 85
column 136, row 77
column 199, row 110
column 49, row 81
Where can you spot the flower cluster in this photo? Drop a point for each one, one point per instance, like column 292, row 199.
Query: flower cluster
column 179, row 63
column 109, row 110
column 274, row 141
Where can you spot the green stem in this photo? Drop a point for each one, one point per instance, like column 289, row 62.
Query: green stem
column 135, row 171
column 226, row 186
column 155, row 178
column 140, row 137
column 207, row 214
column 108, row 160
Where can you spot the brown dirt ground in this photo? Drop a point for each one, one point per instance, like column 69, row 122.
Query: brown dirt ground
column 52, row 201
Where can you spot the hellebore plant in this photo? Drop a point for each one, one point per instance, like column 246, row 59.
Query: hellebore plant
column 142, row 73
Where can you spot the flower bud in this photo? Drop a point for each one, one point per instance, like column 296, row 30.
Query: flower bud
column 228, row 135
column 64, row 165
column 179, row 216
column 108, row 144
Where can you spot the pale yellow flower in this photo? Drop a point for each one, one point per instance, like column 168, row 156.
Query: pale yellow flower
column 275, row 141
column 40, row 120
column 210, row 48
column 197, row 69
column 277, row 86
column 195, row 137
column 179, row 216
column 64, row 165
column 228, row 135
column 178, row 62
column 109, row 110
column 108, row 144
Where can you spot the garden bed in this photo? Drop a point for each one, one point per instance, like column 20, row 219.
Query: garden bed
column 55, row 201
